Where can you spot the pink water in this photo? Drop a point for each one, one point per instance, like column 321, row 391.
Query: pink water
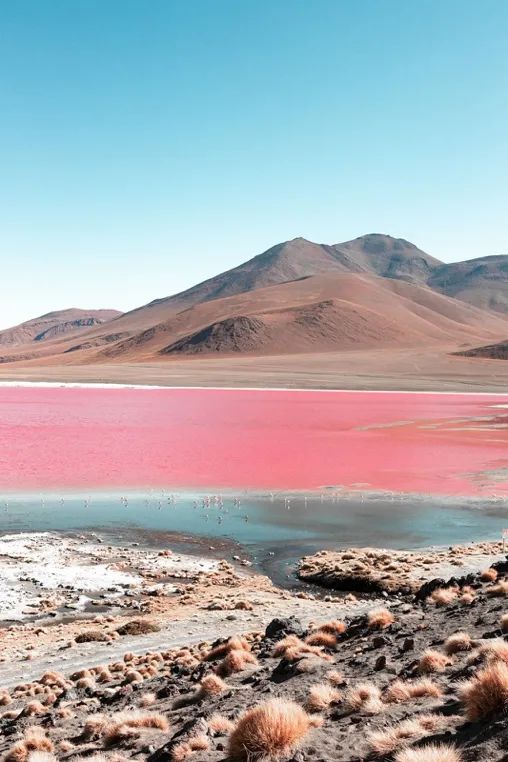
column 52, row 438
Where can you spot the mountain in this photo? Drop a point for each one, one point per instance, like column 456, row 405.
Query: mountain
column 325, row 312
column 55, row 324
column 374, row 254
column 482, row 282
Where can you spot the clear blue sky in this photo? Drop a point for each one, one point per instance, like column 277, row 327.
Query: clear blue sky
column 147, row 145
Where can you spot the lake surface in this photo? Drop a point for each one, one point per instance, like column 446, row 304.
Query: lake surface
column 218, row 439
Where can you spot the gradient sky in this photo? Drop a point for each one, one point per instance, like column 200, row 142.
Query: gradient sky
column 147, row 145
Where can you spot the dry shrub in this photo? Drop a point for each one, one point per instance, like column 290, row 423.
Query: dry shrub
column 34, row 740
column 320, row 697
column 321, row 638
column 378, row 619
column 486, row 692
column 334, row 627
column 199, row 742
column 488, row 575
column 335, row 677
column 384, row 742
column 269, row 731
column 233, row 644
column 212, row 685
column 364, row 697
column 459, row 641
column 180, row 752
column 220, row 725
column 433, row 661
column 147, row 699
column 430, row 753
column 235, row 661
column 499, row 590
column 443, row 596
column 404, row 690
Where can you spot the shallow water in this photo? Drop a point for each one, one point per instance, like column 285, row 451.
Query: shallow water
column 260, row 523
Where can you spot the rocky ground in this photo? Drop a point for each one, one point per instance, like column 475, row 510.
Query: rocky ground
column 363, row 680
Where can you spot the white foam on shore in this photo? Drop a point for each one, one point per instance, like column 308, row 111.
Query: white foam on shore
column 93, row 385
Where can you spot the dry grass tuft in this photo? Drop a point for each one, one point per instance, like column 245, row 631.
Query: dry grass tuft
column 404, row 690
column 486, row 692
column 488, row 575
column 378, row 619
column 212, row 685
column 334, row 627
column 199, row 742
column 364, row 697
column 499, row 590
column 443, row 596
column 460, row 641
column 433, row 661
column 147, row 699
column 430, row 753
column 220, row 725
column 233, row 644
column 270, row 730
column 180, row 752
column 320, row 697
column 321, row 638
column 34, row 740
column 335, row 677
column 235, row 661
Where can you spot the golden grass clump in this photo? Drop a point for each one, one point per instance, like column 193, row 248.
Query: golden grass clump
column 199, row 742
column 33, row 708
column 459, row 641
column 34, row 740
column 383, row 742
column 433, row 661
column 233, row 644
column 320, row 697
column 180, row 752
column 212, row 685
column 378, row 619
column 364, row 697
column 404, row 690
column 220, row 725
column 334, row 627
column 488, row 575
column 235, row 661
column 127, row 724
column 270, row 730
column 321, row 638
column 486, row 692
column 292, row 649
column 430, row 753
column 335, row 677
column 499, row 590
column 443, row 596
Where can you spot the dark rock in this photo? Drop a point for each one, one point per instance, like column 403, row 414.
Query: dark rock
column 380, row 663
column 408, row 644
column 279, row 628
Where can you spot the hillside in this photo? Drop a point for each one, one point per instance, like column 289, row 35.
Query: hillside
column 55, row 324
column 327, row 312
column 482, row 282
column 497, row 351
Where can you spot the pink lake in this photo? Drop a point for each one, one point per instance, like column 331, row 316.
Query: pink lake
column 67, row 437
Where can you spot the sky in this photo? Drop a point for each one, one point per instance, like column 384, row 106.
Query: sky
column 145, row 146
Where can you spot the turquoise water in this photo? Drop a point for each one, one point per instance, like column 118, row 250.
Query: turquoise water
column 263, row 522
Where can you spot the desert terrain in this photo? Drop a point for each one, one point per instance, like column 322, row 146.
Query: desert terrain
column 215, row 663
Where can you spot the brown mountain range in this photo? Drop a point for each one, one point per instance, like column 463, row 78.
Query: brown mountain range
column 298, row 297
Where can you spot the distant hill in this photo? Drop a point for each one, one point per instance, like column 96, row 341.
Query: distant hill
column 482, row 282
column 55, row 324
column 325, row 312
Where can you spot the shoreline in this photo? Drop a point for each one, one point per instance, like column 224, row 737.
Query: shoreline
column 321, row 390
